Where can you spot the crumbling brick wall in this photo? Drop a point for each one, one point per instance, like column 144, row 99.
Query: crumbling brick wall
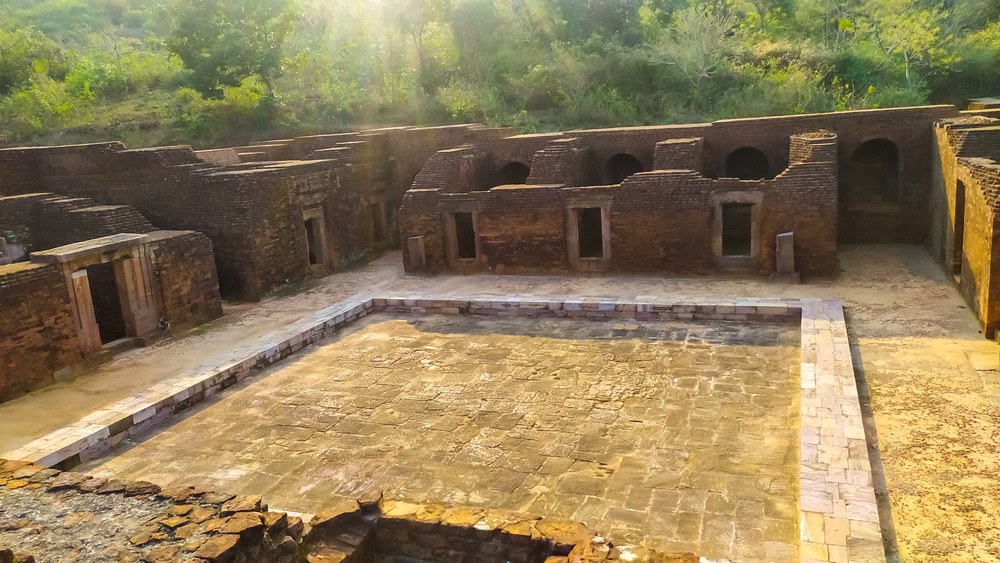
column 659, row 221
column 562, row 161
column 187, row 283
column 37, row 331
column 979, row 279
column 680, row 154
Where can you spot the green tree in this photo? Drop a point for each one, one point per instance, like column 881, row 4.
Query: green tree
column 697, row 45
column 225, row 41
column 23, row 51
column 906, row 31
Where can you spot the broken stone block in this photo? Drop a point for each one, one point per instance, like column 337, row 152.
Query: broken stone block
column 219, row 549
column 217, row 498
column 275, row 523
column 248, row 525
column 92, row 484
column 141, row 489
column 67, row 480
column 201, row 513
column 174, row 521
column 250, row 503
column 162, row 554
column 112, row 486
column 785, row 251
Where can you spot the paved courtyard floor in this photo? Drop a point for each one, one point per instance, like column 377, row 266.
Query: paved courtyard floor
column 680, row 436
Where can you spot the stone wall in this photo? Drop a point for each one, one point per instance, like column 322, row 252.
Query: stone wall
column 37, row 331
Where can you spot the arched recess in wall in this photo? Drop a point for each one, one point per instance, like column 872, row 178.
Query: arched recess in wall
column 876, row 173
column 747, row 163
column 621, row 166
column 512, row 173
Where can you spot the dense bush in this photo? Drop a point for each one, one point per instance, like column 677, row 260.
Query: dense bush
column 286, row 67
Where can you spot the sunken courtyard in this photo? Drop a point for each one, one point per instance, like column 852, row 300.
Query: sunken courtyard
column 757, row 340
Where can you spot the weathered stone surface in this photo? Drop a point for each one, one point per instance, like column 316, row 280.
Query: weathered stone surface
column 181, row 509
column 141, row 488
column 249, row 526
column 144, row 536
column 217, row 498
column 181, row 493
column 201, row 513
column 67, row 480
column 212, row 525
column 563, row 534
column 92, row 484
column 219, row 549
column 26, row 471
column 342, row 514
column 112, row 486
column 186, row 531
column 174, row 521
column 162, row 554
column 43, row 475
column 275, row 522
column 295, row 528
column 250, row 503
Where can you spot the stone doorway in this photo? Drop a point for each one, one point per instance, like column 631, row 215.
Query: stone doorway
column 106, row 300
column 315, row 226
column 121, row 270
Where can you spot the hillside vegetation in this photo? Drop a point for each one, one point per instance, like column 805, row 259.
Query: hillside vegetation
column 215, row 72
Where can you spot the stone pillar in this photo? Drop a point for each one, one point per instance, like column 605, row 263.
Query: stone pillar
column 135, row 291
column 786, row 260
column 418, row 255
column 83, row 312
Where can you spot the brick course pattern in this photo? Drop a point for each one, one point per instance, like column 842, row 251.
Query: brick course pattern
column 37, row 333
column 963, row 233
column 247, row 200
column 659, row 221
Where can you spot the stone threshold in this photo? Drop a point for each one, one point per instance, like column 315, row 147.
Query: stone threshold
column 839, row 520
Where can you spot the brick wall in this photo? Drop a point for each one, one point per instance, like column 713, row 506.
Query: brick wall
column 680, row 154
column 659, row 221
column 186, row 281
column 37, row 334
column 562, row 161
column 979, row 280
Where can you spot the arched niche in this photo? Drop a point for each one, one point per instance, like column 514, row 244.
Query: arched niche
column 747, row 163
column 876, row 173
column 621, row 166
column 512, row 173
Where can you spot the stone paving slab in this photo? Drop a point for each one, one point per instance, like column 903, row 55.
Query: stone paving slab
column 839, row 517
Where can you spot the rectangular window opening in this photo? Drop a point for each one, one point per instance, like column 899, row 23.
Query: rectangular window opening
column 465, row 236
column 591, row 232
column 378, row 222
column 737, row 221
column 311, row 241
column 958, row 254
